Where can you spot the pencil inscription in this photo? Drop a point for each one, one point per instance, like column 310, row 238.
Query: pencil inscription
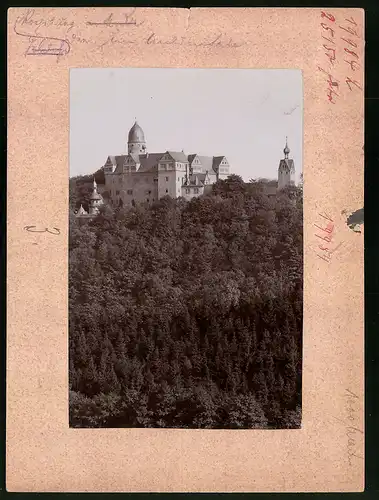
column 129, row 19
column 325, row 233
column 33, row 229
column 332, row 32
column 352, row 430
column 55, row 35
column 28, row 26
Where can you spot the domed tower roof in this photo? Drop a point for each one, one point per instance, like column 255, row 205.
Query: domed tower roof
column 95, row 195
column 286, row 149
column 136, row 134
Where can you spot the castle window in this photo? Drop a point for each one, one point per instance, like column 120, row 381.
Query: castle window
column 188, row 191
column 149, row 192
column 196, row 190
column 117, row 192
column 147, row 200
column 166, row 179
column 130, row 191
column 166, row 190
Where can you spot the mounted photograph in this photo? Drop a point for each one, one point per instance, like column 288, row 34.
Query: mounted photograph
column 185, row 248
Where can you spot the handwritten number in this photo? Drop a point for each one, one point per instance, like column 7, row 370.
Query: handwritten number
column 353, row 82
column 351, row 52
column 331, row 56
column 352, row 63
column 326, row 216
column 32, row 229
column 329, row 40
column 327, row 28
column 56, row 231
column 328, row 16
column 350, row 42
column 331, row 52
column 351, row 20
column 350, row 30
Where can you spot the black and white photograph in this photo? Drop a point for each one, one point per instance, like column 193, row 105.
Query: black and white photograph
column 185, row 248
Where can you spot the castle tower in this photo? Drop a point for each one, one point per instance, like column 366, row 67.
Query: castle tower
column 136, row 141
column 95, row 201
column 286, row 170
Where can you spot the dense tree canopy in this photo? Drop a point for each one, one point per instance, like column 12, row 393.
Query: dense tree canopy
column 80, row 189
column 189, row 314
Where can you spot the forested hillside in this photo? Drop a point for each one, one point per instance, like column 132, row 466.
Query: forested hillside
column 80, row 189
column 189, row 314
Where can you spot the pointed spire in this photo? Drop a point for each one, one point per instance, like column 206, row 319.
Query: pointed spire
column 94, row 184
column 286, row 149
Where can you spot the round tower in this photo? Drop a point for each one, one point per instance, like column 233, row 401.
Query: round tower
column 286, row 150
column 136, row 141
column 95, row 201
column 286, row 170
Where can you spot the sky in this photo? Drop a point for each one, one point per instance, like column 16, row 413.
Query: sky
column 243, row 114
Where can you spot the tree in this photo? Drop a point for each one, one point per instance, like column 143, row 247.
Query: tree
column 188, row 314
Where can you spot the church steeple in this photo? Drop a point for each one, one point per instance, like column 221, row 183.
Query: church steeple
column 95, row 199
column 286, row 149
column 286, row 170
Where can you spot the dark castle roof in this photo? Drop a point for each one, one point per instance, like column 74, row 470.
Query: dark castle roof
column 136, row 134
column 149, row 162
column 178, row 156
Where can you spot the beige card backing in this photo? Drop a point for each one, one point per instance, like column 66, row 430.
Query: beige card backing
column 43, row 453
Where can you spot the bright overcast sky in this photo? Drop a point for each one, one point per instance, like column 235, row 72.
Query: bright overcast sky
column 242, row 114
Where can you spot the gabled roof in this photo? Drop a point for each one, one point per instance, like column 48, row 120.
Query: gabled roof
column 120, row 161
column 149, row 162
column 208, row 163
column 205, row 161
column 216, row 162
column 81, row 211
column 287, row 164
column 117, row 160
column 178, row 156
column 196, row 180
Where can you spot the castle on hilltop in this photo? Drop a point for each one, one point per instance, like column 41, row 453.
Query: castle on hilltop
column 138, row 176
